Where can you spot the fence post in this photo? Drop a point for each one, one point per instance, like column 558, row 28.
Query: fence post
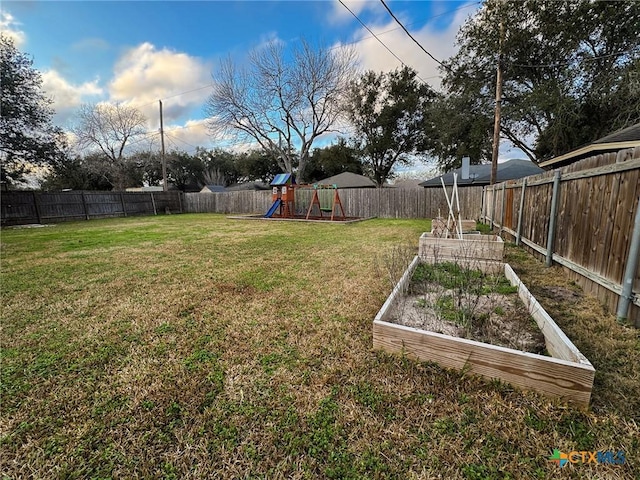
column 482, row 204
column 84, row 205
column 552, row 219
column 36, row 204
column 630, row 269
column 504, row 186
column 519, row 231
column 153, row 202
column 180, row 201
column 124, row 207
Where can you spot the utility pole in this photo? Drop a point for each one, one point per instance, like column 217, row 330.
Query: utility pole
column 165, row 186
column 496, row 118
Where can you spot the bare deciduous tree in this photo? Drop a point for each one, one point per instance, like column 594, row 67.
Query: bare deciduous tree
column 282, row 102
column 107, row 129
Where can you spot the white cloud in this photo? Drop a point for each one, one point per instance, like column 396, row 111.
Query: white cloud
column 193, row 133
column 437, row 41
column 67, row 96
column 339, row 14
column 10, row 28
column 144, row 74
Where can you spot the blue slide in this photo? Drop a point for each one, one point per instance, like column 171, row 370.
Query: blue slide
column 273, row 208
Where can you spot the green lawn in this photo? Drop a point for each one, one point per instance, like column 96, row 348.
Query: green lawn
column 193, row 346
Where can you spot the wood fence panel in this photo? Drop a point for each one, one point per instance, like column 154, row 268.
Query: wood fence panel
column 596, row 205
column 18, row 208
column 104, row 204
column 24, row 207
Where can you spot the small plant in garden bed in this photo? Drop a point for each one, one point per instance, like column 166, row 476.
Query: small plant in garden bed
column 463, row 301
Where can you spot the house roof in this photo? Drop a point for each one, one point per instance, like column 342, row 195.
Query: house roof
column 626, row 138
column 248, row 186
column 213, row 188
column 481, row 174
column 413, row 183
column 348, row 180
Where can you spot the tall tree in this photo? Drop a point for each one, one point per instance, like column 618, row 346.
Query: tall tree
column 27, row 134
column 219, row 166
column 464, row 130
column 256, row 165
column 108, row 129
column 185, row 171
column 75, row 173
column 332, row 160
column 283, row 102
column 388, row 112
column 566, row 68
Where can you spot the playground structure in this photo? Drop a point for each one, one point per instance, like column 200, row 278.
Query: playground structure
column 322, row 198
column 283, row 196
column 325, row 202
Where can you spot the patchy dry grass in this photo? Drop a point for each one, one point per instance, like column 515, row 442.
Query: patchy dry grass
column 194, row 346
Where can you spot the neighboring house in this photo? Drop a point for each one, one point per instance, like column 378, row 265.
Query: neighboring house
column 348, row 180
column 413, row 183
column 248, row 186
column 213, row 189
column 481, row 174
column 622, row 139
column 144, row 189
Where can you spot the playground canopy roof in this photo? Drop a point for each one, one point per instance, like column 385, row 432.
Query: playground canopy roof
column 282, row 179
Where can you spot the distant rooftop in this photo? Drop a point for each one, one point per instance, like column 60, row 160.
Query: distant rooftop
column 481, row 174
column 348, row 180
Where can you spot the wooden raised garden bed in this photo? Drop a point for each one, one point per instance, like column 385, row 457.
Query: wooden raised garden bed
column 565, row 373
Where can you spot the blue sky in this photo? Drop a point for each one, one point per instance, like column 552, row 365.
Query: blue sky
column 140, row 52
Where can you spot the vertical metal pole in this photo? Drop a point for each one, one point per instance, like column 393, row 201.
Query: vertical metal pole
column 504, row 186
column 493, row 207
column 124, row 207
column 153, row 202
column 552, row 219
column 482, row 207
column 165, row 185
column 84, row 204
column 519, row 231
column 36, row 205
column 630, row 269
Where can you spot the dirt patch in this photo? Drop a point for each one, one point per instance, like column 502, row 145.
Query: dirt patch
column 468, row 304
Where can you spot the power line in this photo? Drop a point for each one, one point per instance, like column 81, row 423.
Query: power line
column 411, row 36
column 412, row 23
column 180, row 140
column 146, row 136
column 374, row 35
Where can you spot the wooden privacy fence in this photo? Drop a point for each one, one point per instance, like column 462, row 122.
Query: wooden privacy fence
column 357, row 202
column 582, row 217
column 21, row 207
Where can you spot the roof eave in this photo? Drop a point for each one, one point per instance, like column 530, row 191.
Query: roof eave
column 596, row 147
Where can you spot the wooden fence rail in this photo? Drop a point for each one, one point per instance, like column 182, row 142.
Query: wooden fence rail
column 581, row 217
column 21, row 207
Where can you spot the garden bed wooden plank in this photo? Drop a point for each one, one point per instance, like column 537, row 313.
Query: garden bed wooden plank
column 557, row 343
column 568, row 381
